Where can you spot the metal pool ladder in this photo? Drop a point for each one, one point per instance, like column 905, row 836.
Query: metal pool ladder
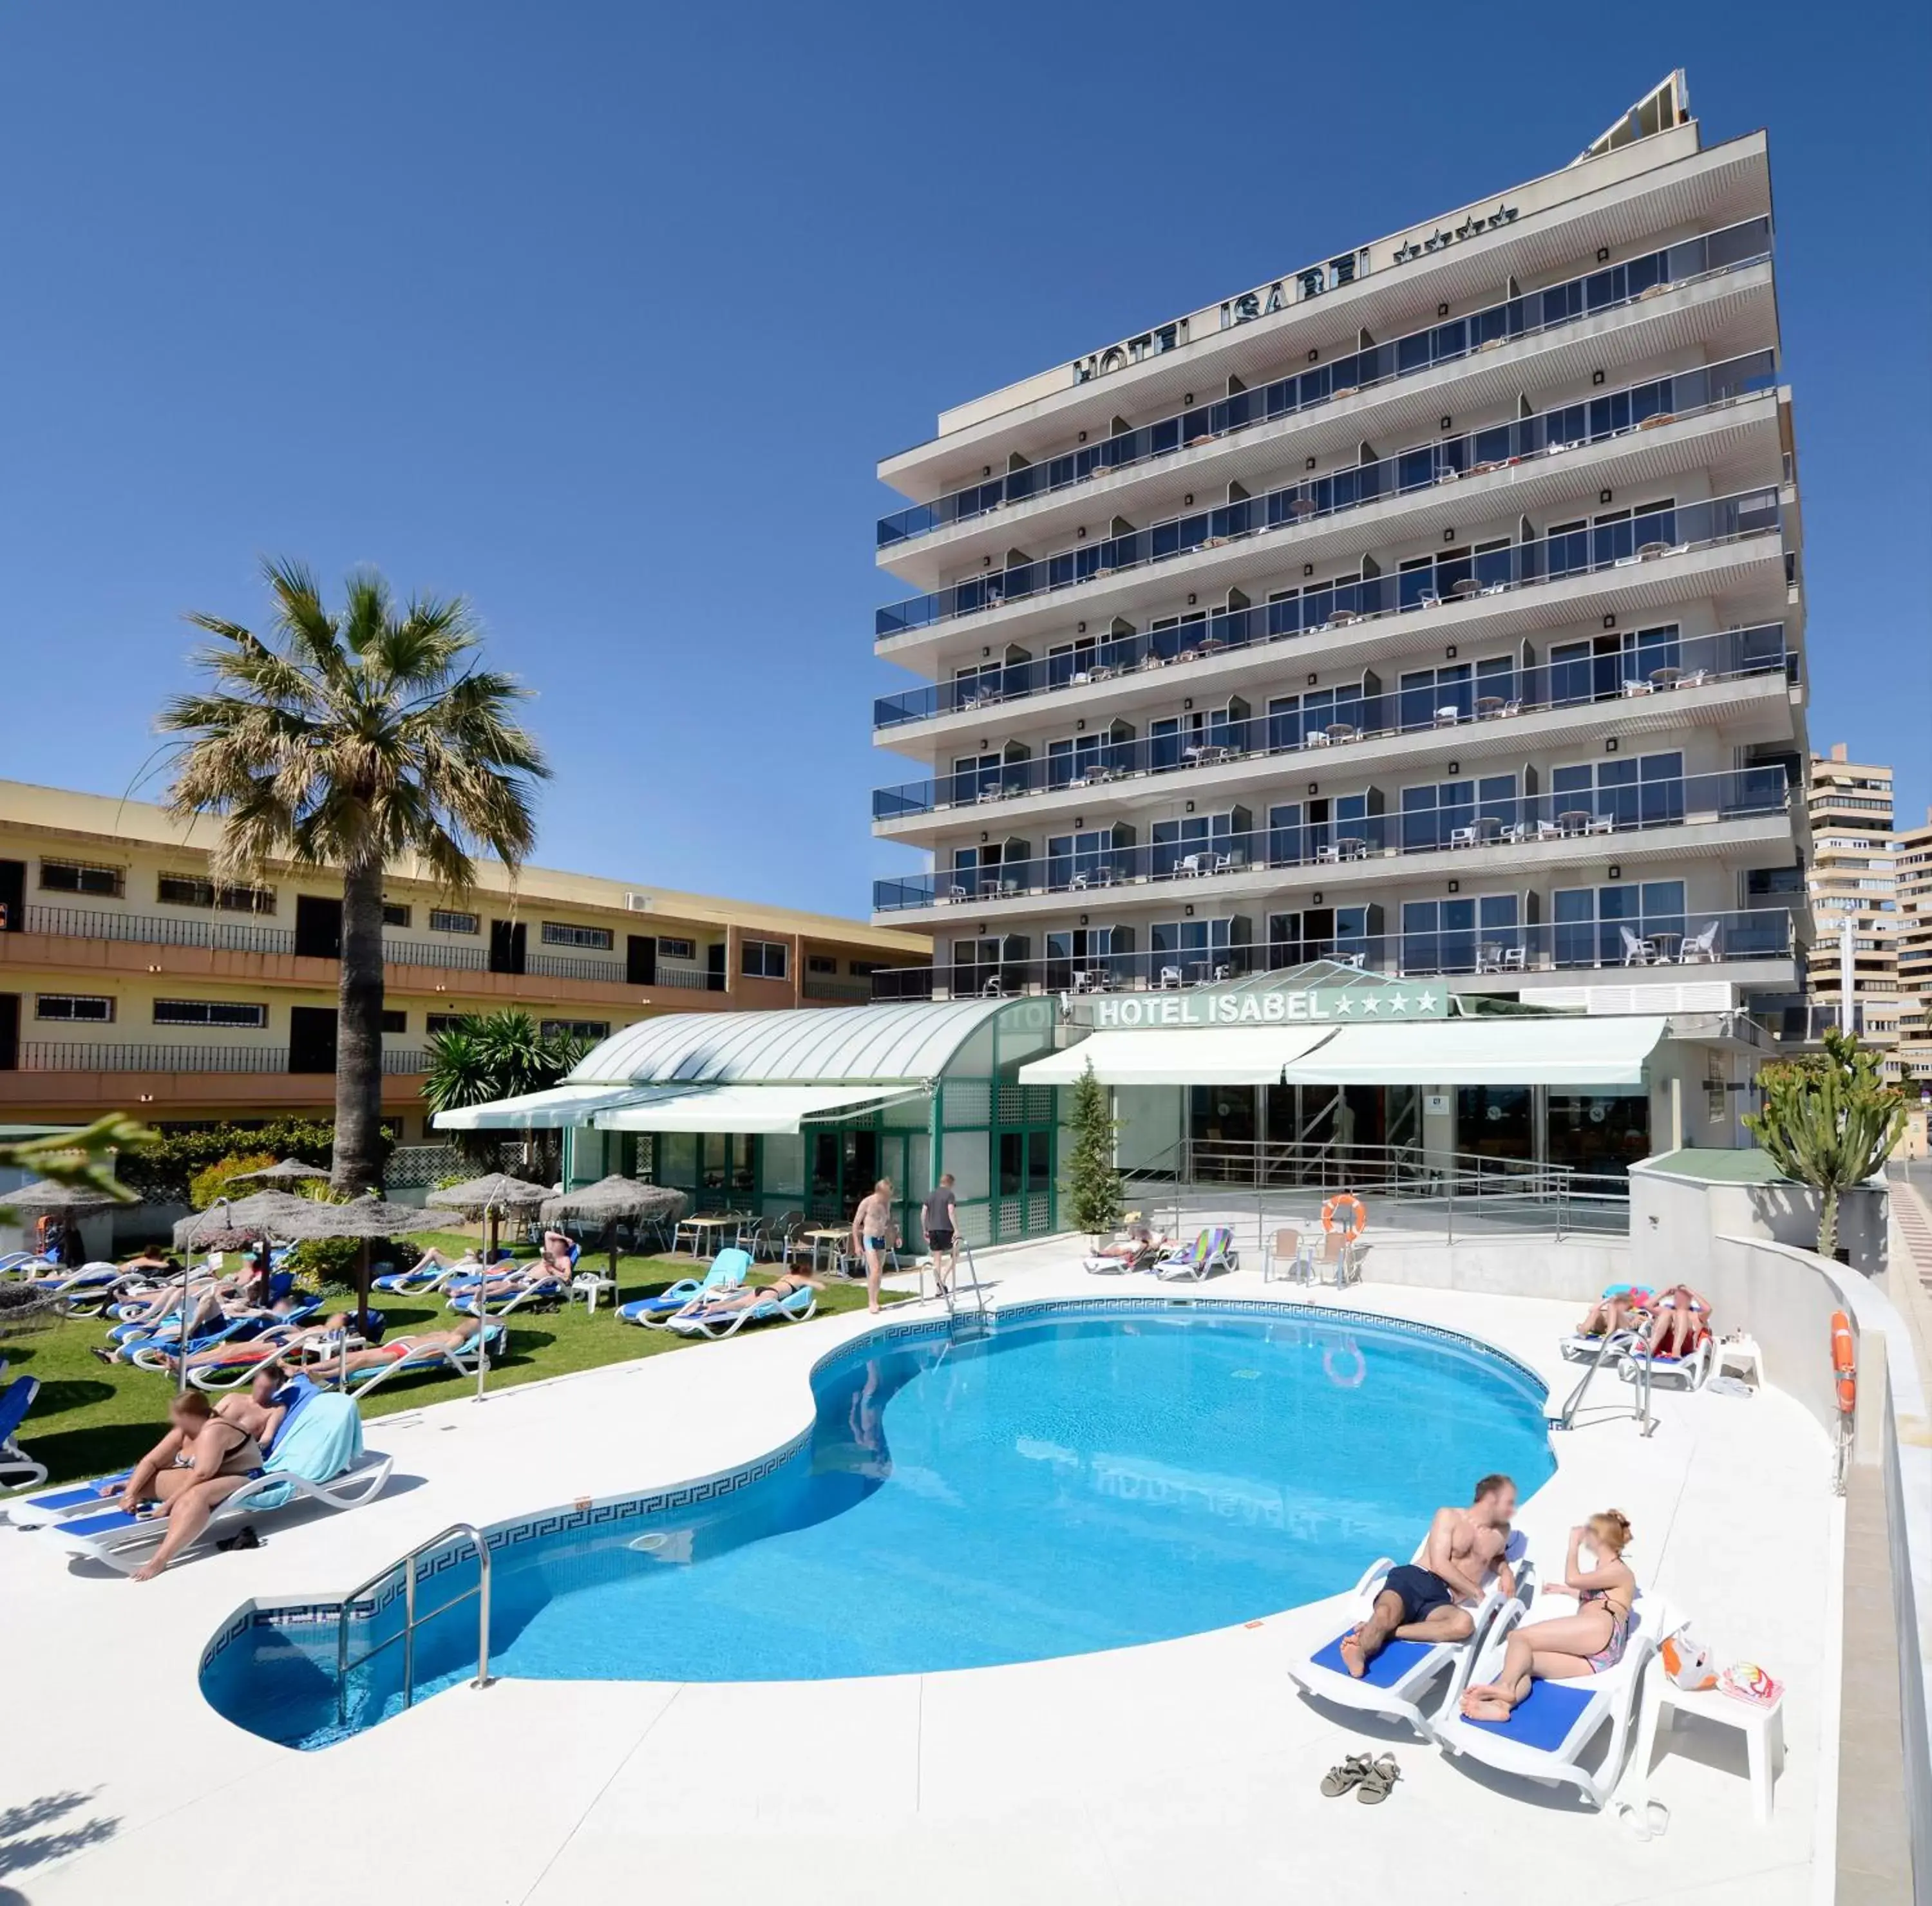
column 412, row 1618
column 1620, row 1342
column 964, row 1253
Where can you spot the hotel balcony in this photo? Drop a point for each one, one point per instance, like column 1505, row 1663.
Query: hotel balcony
column 1691, row 816
column 1041, row 418
column 1757, row 949
column 1741, row 680
column 1712, row 295
column 1466, row 488
column 80, row 1078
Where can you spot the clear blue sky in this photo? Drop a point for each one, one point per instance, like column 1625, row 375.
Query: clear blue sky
column 601, row 314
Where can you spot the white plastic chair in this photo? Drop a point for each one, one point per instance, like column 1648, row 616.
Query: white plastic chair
column 1637, row 952
column 1701, row 949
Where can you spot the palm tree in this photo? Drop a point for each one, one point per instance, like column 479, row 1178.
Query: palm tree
column 351, row 741
column 484, row 1057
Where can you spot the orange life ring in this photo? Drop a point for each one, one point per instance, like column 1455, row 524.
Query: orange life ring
column 1352, row 1213
column 1845, row 1362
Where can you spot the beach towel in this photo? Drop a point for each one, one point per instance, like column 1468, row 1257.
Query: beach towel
column 317, row 1445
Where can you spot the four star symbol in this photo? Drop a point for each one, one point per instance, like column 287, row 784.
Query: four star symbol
column 1398, row 1002
column 1426, row 1003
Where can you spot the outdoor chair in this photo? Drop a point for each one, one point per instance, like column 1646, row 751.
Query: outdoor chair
column 1637, row 952
column 1287, row 1249
column 1701, row 949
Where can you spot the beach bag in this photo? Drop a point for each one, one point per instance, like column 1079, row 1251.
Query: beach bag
column 1687, row 1661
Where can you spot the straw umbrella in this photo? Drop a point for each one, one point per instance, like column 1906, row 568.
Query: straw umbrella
column 490, row 1197
column 231, row 1223
column 365, row 1219
column 290, row 1171
column 44, row 1198
column 611, row 1199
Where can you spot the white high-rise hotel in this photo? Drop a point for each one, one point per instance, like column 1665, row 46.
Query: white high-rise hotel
column 1437, row 607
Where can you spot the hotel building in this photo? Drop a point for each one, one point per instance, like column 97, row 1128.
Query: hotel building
column 131, row 981
column 1911, row 858
column 1853, row 878
column 1436, row 608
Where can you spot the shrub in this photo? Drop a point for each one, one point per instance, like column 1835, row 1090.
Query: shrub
column 212, row 1181
column 331, row 1262
column 164, row 1169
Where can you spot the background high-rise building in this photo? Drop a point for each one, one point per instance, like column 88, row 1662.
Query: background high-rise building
column 1912, row 862
column 1853, row 878
column 1437, row 606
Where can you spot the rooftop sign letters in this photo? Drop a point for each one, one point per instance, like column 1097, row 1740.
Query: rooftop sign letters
column 1277, row 1006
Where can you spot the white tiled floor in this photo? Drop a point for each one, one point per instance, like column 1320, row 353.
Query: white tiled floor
column 1181, row 1773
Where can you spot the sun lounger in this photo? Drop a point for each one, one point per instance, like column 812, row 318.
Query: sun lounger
column 1213, row 1250
column 322, row 1463
column 163, row 1352
column 1405, row 1675
column 1691, row 1371
column 427, row 1360
column 22, row 1261
column 424, row 1279
column 545, row 1291
column 729, row 1269
column 87, row 1291
column 794, row 1309
column 1143, row 1257
column 18, row 1470
column 1547, row 1734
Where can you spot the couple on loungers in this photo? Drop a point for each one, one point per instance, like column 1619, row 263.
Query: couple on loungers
column 1673, row 1322
column 1434, row 1600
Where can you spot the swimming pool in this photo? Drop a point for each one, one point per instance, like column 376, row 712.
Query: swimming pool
column 1085, row 1476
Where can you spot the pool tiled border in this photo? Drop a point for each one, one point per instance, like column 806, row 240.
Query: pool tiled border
column 588, row 1513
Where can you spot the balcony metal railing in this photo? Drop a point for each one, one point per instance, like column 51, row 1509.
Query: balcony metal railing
column 844, row 992
column 1552, row 433
column 1446, row 341
column 1604, row 810
column 154, row 930
column 570, row 966
column 1655, row 662
column 430, row 953
column 1660, row 945
column 78, row 1056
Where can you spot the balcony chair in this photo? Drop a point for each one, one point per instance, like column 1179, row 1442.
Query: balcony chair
column 1701, row 949
column 1448, row 717
column 1637, row 952
column 1171, row 979
column 1463, row 837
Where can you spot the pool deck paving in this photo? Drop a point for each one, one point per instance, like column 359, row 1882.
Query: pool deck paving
column 1184, row 1771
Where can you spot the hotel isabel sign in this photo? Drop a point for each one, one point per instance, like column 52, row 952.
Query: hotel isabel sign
column 1275, row 1006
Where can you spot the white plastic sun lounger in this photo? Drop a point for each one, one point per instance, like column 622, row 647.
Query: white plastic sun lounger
column 430, row 1357
column 1546, row 1736
column 795, row 1308
column 18, row 1470
column 1401, row 1677
column 123, row 1541
column 1691, row 1371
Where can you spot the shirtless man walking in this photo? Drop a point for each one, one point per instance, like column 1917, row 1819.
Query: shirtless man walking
column 1432, row 1601
column 872, row 1236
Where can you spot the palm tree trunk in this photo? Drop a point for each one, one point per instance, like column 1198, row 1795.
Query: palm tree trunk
column 359, row 1155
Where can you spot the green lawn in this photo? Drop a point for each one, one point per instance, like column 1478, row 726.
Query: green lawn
column 91, row 1418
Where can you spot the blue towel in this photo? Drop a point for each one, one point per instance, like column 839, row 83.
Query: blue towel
column 318, row 1445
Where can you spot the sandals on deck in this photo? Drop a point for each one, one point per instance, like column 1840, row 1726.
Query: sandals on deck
column 1372, row 1780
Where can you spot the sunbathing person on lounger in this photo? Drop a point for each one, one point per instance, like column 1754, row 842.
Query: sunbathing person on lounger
column 1134, row 1242
column 1683, row 1319
column 747, row 1296
column 1433, row 1600
column 278, row 1344
column 457, row 1337
column 197, row 1466
column 1621, row 1308
column 434, row 1258
column 1572, row 1646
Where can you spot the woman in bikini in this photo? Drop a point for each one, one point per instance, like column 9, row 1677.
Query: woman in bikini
column 1683, row 1318
column 1573, row 1646
column 1623, row 1306
column 779, row 1289
column 199, row 1464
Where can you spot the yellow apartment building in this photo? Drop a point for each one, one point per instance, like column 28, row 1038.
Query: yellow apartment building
column 131, row 980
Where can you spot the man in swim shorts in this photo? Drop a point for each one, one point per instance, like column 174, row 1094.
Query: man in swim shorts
column 872, row 1236
column 1433, row 1600
column 940, row 1216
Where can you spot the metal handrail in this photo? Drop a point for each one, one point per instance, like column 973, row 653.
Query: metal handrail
column 411, row 1619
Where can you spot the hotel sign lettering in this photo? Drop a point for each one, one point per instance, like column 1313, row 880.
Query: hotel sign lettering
column 1280, row 1006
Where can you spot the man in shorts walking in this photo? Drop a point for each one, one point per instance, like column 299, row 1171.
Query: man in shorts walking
column 872, row 1236
column 1433, row 1600
column 940, row 1215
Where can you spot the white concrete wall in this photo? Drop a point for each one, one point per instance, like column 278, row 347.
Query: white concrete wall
column 1674, row 1219
column 1150, row 1120
column 1572, row 1271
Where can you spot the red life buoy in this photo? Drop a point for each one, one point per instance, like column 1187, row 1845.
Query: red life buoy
column 1346, row 1213
column 1845, row 1362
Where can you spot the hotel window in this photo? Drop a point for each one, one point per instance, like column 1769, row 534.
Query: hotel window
column 1199, row 949
column 763, row 959
column 74, row 1007
column 1457, row 813
column 558, row 932
column 1304, row 720
column 820, row 963
column 191, row 890
column 397, row 913
column 444, row 1022
column 73, row 876
column 575, row 1028
column 1591, row 922
column 1430, row 694
column 209, row 1012
column 442, row 921
column 1177, row 742
column 1211, row 842
column 1325, row 933
column 864, row 969
column 1476, row 935
column 1632, row 793
column 1080, row 860
column 394, row 1020
column 1597, row 670
column 676, row 949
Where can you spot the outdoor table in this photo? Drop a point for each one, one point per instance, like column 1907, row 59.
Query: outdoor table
column 831, row 1241
column 1487, row 705
column 1340, row 731
column 1666, row 678
column 1204, row 754
column 1488, row 826
column 1666, row 944
column 701, row 1228
column 1351, row 847
column 1573, row 820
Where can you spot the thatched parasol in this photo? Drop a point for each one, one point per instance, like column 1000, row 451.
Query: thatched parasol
column 610, row 1199
column 490, row 1197
column 44, row 1198
column 258, row 1214
column 290, row 1171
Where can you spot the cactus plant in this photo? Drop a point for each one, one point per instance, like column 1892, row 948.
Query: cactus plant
column 1829, row 1122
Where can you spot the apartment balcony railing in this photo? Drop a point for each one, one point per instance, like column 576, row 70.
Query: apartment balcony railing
column 1550, row 433
column 1648, row 536
column 1648, row 945
column 1732, row 249
column 1654, row 663
column 430, row 953
column 152, row 930
column 844, row 992
column 569, row 965
column 78, row 1056
column 1578, row 815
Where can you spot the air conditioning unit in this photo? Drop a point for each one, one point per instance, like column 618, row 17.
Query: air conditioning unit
column 639, row 902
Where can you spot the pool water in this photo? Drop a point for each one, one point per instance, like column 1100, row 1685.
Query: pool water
column 1074, row 1481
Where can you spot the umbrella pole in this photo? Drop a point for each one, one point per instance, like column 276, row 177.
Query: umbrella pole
column 482, row 1309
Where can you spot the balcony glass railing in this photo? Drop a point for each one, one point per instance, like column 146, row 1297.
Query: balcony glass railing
column 1607, row 808
column 1652, row 661
column 1443, row 342
column 1676, row 944
column 1657, row 401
